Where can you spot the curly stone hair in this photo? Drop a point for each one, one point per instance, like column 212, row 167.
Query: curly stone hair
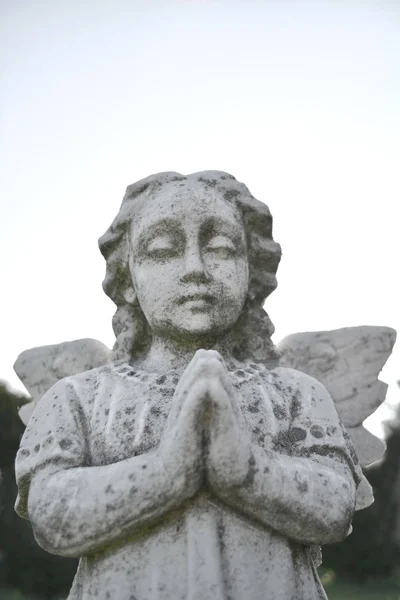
column 250, row 337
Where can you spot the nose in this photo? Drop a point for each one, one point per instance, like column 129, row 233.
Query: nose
column 195, row 270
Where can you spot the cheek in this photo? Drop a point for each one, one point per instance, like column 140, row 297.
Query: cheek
column 233, row 277
column 155, row 285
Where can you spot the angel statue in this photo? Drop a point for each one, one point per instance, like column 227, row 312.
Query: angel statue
column 190, row 464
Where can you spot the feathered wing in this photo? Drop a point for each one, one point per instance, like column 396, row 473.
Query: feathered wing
column 347, row 362
column 40, row 368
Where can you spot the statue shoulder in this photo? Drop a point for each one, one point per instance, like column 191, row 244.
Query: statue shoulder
column 293, row 379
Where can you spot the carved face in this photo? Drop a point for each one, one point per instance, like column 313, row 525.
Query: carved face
column 188, row 262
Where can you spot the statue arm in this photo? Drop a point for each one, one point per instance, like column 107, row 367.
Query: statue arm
column 301, row 498
column 307, row 491
column 77, row 509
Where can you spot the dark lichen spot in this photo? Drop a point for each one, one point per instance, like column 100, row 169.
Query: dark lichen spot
column 302, row 486
column 317, row 431
column 296, row 434
column 65, row 444
column 209, row 182
column 281, row 441
column 279, row 412
column 221, row 535
column 277, row 385
column 266, row 469
column 136, row 191
column 133, row 491
column 240, row 373
column 25, row 453
column 37, row 448
column 295, row 407
column 167, row 392
column 331, row 429
column 161, row 379
column 231, row 194
column 251, row 472
column 254, row 408
column 109, row 489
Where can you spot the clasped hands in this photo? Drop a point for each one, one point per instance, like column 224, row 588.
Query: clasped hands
column 205, row 437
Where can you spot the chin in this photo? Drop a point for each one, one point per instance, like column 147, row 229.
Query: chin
column 197, row 327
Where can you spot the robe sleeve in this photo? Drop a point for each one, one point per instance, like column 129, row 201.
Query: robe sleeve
column 305, row 485
column 55, row 439
column 316, row 432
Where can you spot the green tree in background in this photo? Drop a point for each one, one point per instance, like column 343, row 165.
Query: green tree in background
column 373, row 548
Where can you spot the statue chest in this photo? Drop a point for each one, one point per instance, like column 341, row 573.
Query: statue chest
column 128, row 414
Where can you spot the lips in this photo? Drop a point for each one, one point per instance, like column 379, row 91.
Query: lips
column 196, row 298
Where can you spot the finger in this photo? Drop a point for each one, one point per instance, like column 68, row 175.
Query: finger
column 227, row 383
column 223, row 418
column 194, row 407
column 204, row 367
column 189, row 373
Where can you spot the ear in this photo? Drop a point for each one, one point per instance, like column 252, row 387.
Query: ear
column 130, row 295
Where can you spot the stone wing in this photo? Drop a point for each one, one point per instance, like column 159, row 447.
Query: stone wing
column 40, row 368
column 347, row 362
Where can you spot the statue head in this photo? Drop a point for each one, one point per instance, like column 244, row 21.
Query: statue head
column 191, row 257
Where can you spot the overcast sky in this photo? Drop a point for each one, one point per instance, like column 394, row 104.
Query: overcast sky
column 299, row 100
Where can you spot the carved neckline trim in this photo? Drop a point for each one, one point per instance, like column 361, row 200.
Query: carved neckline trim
column 126, row 370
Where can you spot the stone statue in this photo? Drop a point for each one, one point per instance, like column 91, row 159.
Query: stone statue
column 191, row 465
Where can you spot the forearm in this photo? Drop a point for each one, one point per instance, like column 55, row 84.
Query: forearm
column 301, row 498
column 78, row 511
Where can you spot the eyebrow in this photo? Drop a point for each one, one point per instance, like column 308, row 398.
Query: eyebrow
column 219, row 226
column 164, row 226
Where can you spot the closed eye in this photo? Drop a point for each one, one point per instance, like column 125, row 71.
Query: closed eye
column 161, row 247
column 222, row 246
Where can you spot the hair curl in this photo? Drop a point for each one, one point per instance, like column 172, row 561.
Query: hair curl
column 250, row 337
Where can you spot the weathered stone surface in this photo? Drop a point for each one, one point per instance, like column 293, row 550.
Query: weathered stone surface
column 40, row 368
column 194, row 466
column 348, row 362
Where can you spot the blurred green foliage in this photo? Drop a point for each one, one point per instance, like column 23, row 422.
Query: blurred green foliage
column 376, row 589
column 372, row 551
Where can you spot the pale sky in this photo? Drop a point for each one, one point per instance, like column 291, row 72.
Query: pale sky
column 299, row 100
